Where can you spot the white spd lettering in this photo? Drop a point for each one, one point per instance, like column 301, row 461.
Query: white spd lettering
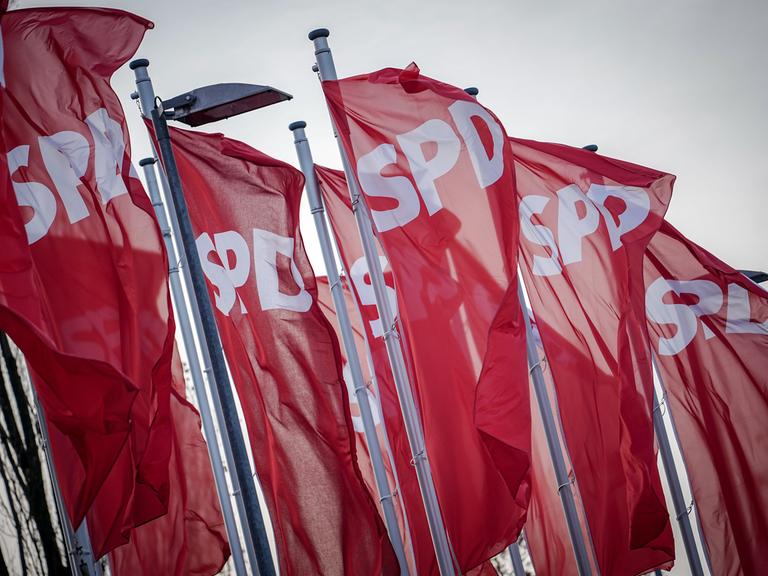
column 362, row 281
column 426, row 171
column 234, row 270
column 66, row 156
column 686, row 318
column 578, row 216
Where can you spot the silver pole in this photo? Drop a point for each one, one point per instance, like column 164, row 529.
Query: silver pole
column 84, row 551
column 194, row 368
column 578, row 539
column 675, row 488
column 242, row 465
column 517, row 560
column 374, row 448
column 413, row 429
column 146, row 95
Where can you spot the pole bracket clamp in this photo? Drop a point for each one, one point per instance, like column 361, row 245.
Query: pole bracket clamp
column 392, row 331
column 687, row 511
column 534, row 366
column 390, row 496
column 420, row 455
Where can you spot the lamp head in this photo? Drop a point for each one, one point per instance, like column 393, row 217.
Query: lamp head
column 219, row 101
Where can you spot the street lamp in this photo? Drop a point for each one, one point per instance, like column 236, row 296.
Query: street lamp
column 196, row 108
column 220, row 101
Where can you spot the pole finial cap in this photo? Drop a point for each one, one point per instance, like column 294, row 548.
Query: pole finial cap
column 138, row 63
column 146, row 162
column 296, row 125
column 319, row 33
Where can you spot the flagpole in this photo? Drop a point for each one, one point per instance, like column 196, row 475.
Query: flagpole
column 242, row 466
column 145, row 93
column 413, row 428
column 578, row 539
column 195, row 371
column 517, row 559
column 386, row 496
column 673, row 481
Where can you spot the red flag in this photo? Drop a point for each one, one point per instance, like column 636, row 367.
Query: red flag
column 546, row 531
column 709, row 328
column 437, row 176
column 325, row 301
column 284, row 357
column 585, row 223
column 91, row 260
column 333, row 187
column 191, row 538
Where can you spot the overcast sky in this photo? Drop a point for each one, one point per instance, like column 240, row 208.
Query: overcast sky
column 680, row 86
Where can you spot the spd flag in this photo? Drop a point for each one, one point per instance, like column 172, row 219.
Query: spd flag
column 585, row 223
column 709, row 329
column 190, row 538
column 84, row 271
column 437, row 177
column 284, row 357
column 325, row 301
column 333, row 187
column 546, row 531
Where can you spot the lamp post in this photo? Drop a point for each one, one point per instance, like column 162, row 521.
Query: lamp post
column 196, row 108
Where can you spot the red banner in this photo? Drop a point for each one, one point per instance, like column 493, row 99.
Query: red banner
column 546, row 530
column 333, row 187
column 585, row 223
column 709, row 329
column 284, row 357
column 325, row 301
column 83, row 265
column 437, row 177
column 191, row 538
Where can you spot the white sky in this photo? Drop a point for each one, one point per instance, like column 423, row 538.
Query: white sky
column 681, row 86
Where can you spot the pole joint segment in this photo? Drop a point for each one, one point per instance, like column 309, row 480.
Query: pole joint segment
column 686, row 512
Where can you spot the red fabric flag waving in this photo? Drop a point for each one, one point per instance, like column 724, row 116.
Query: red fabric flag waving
column 437, row 176
column 325, row 301
column 709, row 327
column 284, row 357
column 333, row 187
column 546, row 531
column 190, row 539
column 585, row 223
column 83, row 264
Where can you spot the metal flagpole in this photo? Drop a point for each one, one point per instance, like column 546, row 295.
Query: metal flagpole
column 374, row 448
column 673, row 480
column 145, row 93
column 517, row 560
column 413, row 429
column 219, row 374
column 578, row 539
column 194, row 367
